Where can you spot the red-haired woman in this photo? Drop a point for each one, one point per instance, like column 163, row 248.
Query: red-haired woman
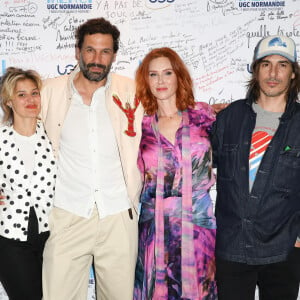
column 176, row 225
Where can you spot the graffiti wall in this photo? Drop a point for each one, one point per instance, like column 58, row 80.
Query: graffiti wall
column 215, row 38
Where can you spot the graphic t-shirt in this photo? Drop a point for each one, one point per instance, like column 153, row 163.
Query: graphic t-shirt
column 266, row 125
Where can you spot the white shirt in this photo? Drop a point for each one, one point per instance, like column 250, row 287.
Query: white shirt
column 89, row 166
column 26, row 145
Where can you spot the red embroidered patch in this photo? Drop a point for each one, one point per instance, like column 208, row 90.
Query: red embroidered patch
column 129, row 112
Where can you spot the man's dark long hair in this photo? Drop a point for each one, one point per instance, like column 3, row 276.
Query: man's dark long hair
column 253, row 91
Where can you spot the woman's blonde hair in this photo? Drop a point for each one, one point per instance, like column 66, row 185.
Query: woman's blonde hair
column 8, row 85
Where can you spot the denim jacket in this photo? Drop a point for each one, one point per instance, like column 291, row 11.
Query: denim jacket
column 261, row 226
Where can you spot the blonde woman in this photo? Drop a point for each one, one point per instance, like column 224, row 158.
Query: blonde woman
column 27, row 177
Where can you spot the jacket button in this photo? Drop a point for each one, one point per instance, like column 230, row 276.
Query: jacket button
column 247, row 221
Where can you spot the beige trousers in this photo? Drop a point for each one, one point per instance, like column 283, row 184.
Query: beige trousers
column 76, row 242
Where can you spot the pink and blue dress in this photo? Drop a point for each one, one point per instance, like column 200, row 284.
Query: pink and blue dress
column 177, row 225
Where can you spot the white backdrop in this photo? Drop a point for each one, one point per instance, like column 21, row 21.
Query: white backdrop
column 215, row 38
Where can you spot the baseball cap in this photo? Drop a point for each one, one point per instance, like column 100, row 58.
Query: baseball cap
column 276, row 45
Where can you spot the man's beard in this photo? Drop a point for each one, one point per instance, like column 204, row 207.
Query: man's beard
column 94, row 76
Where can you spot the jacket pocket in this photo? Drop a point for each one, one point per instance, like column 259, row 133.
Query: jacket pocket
column 227, row 161
column 287, row 172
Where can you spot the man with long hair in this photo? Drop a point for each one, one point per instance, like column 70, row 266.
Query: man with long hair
column 256, row 143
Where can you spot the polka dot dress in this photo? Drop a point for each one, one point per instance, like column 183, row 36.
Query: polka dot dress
column 22, row 189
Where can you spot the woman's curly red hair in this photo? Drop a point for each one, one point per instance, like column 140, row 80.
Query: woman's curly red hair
column 184, row 94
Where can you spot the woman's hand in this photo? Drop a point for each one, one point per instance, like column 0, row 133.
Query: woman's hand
column 218, row 107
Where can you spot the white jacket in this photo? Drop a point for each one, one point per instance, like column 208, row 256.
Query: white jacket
column 21, row 191
column 56, row 99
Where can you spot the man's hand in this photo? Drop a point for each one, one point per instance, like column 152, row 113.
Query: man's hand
column 297, row 244
column 219, row 106
column 2, row 197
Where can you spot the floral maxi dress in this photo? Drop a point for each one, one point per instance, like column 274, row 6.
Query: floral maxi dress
column 159, row 156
